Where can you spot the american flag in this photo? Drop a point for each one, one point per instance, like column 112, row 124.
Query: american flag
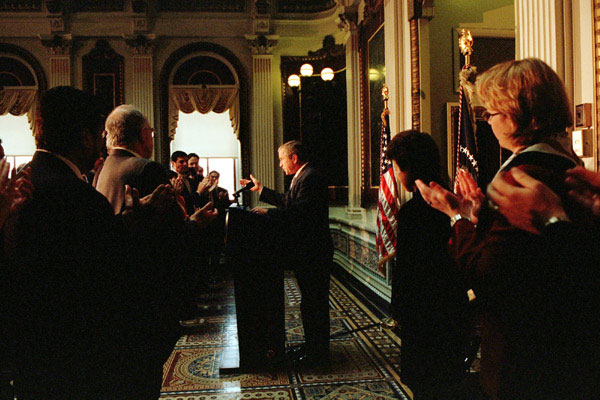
column 387, row 207
column 466, row 145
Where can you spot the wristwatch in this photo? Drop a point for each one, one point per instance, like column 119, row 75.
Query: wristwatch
column 554, row 219
column 457, row 217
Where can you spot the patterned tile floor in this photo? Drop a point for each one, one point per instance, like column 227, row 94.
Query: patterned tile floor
column 364, row 364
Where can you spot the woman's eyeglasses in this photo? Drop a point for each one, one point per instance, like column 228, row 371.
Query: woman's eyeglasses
column 488, row 115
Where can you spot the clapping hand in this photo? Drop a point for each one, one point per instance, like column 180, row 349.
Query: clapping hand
column 471, row 195
column 14, row 192
column 155, row 209
column 177, row 184
column 205, row 215
column 585, row 188
column 204, row 184
column 525, row 202
column 467, row 202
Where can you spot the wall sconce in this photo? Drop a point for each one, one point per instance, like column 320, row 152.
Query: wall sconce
column 306, row 70
column 293, row 80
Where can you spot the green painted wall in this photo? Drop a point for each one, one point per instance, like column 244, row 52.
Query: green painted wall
column 448, row 15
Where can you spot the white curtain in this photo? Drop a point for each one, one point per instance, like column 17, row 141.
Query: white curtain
column 204, row 100
column 19, row 100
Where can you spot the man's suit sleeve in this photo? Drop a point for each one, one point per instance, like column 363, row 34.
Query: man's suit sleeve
column 272, row 197
column 304, row 207
column 152, row 175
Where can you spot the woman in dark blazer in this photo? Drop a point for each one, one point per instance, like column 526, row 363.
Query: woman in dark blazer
column 428, row 299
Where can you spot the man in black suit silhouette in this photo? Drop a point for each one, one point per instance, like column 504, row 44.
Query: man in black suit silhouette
column 304, row 211
column 71, row 284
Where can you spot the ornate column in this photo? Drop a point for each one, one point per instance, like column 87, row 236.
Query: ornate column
column 141, row 87
column 349, row 24
column 263, row 142
column 59, row 55
column 540, row 32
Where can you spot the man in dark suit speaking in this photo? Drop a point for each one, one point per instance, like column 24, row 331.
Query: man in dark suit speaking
column 304, row 211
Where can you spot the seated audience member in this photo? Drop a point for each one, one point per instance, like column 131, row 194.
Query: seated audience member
column 71, row 286
column 428, row 298
column 528, row 294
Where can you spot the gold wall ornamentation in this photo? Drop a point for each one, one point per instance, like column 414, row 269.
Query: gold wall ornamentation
column 597, row 81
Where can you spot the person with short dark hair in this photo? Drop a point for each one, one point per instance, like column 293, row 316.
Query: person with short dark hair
column 69, row 280
column 195, row 171
column 179, row 163
column 428, row 299
column 304, row 210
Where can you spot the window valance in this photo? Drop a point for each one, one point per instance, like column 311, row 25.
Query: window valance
column 19, row 100
column 217, row 99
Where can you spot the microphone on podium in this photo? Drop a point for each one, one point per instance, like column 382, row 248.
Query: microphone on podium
column 248, row 186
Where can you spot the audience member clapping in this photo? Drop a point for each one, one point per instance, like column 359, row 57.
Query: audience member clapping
column 13, row 191
column 531, row 324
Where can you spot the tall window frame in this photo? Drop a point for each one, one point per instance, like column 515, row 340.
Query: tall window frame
column 372, row 24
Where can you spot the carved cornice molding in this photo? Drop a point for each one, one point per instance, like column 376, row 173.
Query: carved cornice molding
column 141, row 44
column 262, row 6
column 139, row 24
column 57, row 23
column 57, row 44
column 262, row 44
column 261, row 25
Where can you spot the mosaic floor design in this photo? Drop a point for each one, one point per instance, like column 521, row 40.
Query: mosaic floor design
column 364, row 363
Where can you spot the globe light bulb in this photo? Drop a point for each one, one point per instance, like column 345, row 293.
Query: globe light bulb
column 327, row 74
column 293, row 80
column 306, row 70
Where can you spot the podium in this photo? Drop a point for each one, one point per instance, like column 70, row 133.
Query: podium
column 254, row 250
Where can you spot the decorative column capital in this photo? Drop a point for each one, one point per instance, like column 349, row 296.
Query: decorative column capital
column 141, row 44
column 261, row 44
column 348, row 21
column 57, row 45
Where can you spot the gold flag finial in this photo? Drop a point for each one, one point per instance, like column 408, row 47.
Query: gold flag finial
column 385, row 94
column 465, row 43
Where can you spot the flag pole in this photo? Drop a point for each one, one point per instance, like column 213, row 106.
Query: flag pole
column 466, row 141
column 385, row 120
column 386, row 211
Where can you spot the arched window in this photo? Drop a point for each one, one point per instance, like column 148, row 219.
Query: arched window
column 204, row 114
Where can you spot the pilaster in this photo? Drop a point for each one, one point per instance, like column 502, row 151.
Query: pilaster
column 263, row 143
column 353, row 210
column 141, row 48
column 539, row 32
column 59, row 55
